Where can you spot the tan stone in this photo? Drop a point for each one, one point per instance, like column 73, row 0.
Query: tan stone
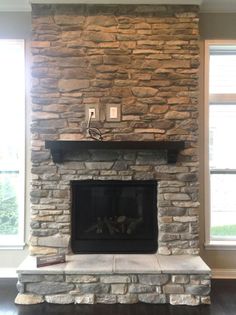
column 177, row 115
column 102, row 20
column 71, row 136
column 144, row 91
column 40, row 44
column 72, row 85
column 149, row 130
column 44, row 115
column 37, row 250
column 159, row 109
column 28, row 299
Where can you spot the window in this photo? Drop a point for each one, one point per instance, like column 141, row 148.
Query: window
column 12, row 134
column 222, row 142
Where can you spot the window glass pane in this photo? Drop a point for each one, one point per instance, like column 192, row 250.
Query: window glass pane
column 222, row 75
column 12, row 130
column 222, row 123
column 223, row 205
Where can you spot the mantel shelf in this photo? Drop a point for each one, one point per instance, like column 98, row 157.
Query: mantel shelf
column 59, row 148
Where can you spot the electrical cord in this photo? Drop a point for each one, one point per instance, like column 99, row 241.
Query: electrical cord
column 94, row 133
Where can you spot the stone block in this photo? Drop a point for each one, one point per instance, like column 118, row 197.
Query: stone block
column 127, row 299
column 85, row 299
column 144, row 91
column 30, row 278
column 46, row 287
column 184, row 299
column 20, row 287
column 119, row 288
column 56, row 278
column 173, row 289
column 72, row 85
column 99, row 165
column 59, row 299
column 81, row 278
column 106, row 299
column 198, row 289
column 141, row 288
column 54, row 241
column 115, row 279
column 28, row 299
column 153, row 298
column 153, row 279
column 183, row 279
column 95, row 288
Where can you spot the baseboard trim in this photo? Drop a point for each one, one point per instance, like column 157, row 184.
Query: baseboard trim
column 220, row 273
column 8, row 273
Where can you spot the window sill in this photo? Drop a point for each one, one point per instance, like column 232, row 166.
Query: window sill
column 220, row 245
column 12, row 247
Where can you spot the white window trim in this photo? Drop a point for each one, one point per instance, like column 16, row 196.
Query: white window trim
column 230, row 98
column 18, row 242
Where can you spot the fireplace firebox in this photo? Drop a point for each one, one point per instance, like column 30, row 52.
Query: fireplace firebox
column 114, row 216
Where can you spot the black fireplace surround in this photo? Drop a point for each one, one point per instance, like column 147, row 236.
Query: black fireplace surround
column 114, row 216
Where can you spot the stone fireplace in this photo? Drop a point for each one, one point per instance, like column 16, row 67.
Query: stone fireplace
column 142, row 59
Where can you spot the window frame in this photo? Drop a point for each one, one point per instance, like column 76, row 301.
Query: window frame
column 18, row 242
column 217, row 243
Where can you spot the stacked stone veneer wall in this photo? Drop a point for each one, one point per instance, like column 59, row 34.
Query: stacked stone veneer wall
column 144, row 58
column 175, row 289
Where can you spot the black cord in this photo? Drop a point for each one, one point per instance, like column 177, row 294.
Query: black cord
column 94, row 133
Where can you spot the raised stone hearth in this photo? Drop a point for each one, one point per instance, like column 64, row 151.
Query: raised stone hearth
column 109, row 279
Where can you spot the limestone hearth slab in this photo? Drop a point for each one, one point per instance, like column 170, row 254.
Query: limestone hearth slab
column 119, row 264
column 183, row 264
column 28, row 266
column 93, row 264
column 136, row 264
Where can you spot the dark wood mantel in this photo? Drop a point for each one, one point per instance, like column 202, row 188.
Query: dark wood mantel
column 59, row 148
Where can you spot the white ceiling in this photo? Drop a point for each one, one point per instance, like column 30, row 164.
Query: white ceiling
column 228, row 6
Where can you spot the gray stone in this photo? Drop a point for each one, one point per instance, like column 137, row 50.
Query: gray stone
column 174, row 227
column 179, row 196
column 81, row 278
column 206, row 300
column 141, row 288
column 119, row 288
column 198, row 289
column 28, row 299
column 39, row 156
column 173, row 289
column 115, row 279
column 47, row 287
column 144, row 91
column 96, row 288
column 184, row 299
column 106, row 299
column 59, row 299
column 152, row 298
column 153, row 279
column 56, row 278
column 20, row 287
column 183, row 279
column 99, row 165
column 85, row 299
column 127, row 299
column 72, row 85
column 30, row 278
column 54, row 241
column 188, row 177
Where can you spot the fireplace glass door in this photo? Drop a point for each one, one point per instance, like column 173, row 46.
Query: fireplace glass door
column 114, row 216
